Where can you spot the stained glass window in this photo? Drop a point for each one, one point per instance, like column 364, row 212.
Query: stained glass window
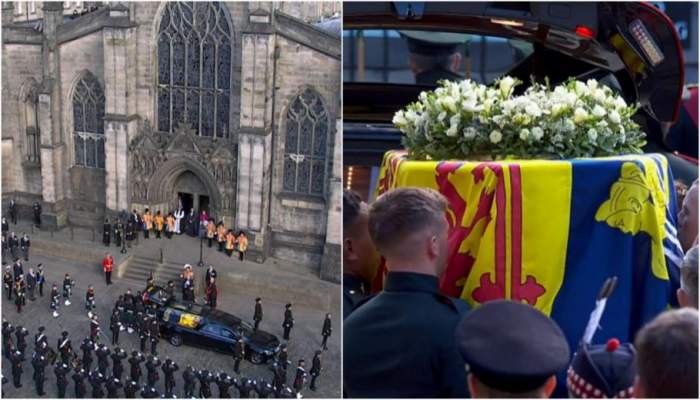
column 307, row 131
column 194, row 68
column 88, row 122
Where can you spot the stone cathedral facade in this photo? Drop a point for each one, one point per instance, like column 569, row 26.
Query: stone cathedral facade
column 225, row 106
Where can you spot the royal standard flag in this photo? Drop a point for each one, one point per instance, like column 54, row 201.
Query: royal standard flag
column 550, row 232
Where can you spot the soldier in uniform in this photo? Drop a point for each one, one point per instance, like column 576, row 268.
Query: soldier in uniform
column 169, row 368
column 170, row 289
column 102, row 359
column 94, row 328
column 149, row 392
column 264, row 389
column 360, row 258
column 315, row 369
column 13, row 243
column 118, row 355
column 68, row 284
column 130, row 389
column 79, row 381
column 24, row 244
column 37, row 214
column 113, row 385
column 87, row 347
column 409, row 228
column 96, row 380
column 13, row 211
column 288, row 321
column 506, row 360
column 55, row 301
column 279, row 380
column 129, row 233
column 602, row 371
column 40, row 336
column 154, row 333
column 90, row 300
column 135, row 361
column 21, row 334
column 7, row 282
column 433, row 56
column 152, row 370
column 40, row 279
column 20, row 294
column 16, row 360
column 17, row 269
column 224, row 383
column 245, row 387
column 189, row 375
column 106, row 232
column 212, row 293
column 61, row 370
column 205, row 378
column 115, row 326
column 300, row 377
column 326, row 331
column 65, row 348
column 118, row 231
column 7, row 345
column 283, row 357
column 143, row 332
column 258, row 314
column 238, row 354
column 39, row 363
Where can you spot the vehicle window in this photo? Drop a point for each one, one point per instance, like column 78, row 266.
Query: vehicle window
column 213, row 329
column 424, row 57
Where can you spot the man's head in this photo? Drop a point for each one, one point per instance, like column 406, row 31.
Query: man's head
column 667, row 356
column 409, row 228
column 688, row 292
column 688, row 218
column 428, row 51
column 360, row 258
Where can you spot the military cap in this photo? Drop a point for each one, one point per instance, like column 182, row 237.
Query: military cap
column 511, row 346
column 602, row 371
column 434, row 43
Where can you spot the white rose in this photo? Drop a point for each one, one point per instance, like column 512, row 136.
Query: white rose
column 537, row 133
column 533, row 109
column 580, row 88
column 495, row 136
column 471, row 106
column 506, row 85
column 599, row 95
column 614, row 117
column 454, row 125
column 449, row 103
column 598, row 111
column 620, row 102
column 592, row 84
column 580, row 115
column 592, row 135
column 399, row 119
column 524, row 134
column 469, row 132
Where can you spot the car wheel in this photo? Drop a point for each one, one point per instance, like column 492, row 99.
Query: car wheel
column 176, row 340
column 257, row 358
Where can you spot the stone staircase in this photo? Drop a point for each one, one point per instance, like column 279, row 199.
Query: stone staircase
column 139, row 267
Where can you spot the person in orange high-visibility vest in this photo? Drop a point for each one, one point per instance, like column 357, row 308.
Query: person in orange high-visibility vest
column 147, row 223
column 160, row 222
column 107, row 265
column 230, row 242
column 221, row 235
column 170, row 220
column 211, row 231
column 242, row 245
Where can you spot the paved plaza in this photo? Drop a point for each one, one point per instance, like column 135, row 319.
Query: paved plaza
column 271, row 278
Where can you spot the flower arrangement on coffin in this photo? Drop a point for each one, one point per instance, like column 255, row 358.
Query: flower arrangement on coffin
column 464, row 120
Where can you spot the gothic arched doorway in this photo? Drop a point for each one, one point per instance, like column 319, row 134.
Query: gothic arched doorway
column 184, row 180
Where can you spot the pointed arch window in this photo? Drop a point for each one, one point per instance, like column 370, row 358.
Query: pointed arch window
column 308, row 128
column 194, row 68
column 88, row 122
column 31, row 124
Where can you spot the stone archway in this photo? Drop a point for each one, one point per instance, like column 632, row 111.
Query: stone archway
column 183, row 175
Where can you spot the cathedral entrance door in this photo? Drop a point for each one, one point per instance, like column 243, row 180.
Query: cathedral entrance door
column 204, row 204
column 187, row 201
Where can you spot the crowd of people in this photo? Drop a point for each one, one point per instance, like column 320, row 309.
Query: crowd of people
column 509, row 349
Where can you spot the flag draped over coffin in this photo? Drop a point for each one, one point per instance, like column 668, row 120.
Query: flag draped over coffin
column 550, row 232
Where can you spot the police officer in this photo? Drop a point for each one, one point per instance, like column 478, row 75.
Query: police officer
column 102, row 359
column 504, row 358
column 87, row 347
column 189, row 376
column 238, row 354
column 114, row 326
column 16, row 360
column 79, row 380
column 135, row 361
column 408, row 227
column 326, row 331
column 21, row 334
column 288, row 320
column 118, row 355
column 113, row 385
column 60, row 370
column 96, row 380
column 152, row 370
column 258, row 314
column 169, row 367
column 315, row 369
column 224, row 383
column 39, row 363
column 205, row 378
column 64, row 347
column 300, row 377
column 130, row 389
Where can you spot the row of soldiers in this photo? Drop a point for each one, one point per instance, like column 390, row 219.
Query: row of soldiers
column 15, row 247
column 36, row 212
column 21, row 285
column 43, row 355
column 122, row 232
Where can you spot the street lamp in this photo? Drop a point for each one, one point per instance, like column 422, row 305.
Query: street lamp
column 123, row 250
column 201, row 246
